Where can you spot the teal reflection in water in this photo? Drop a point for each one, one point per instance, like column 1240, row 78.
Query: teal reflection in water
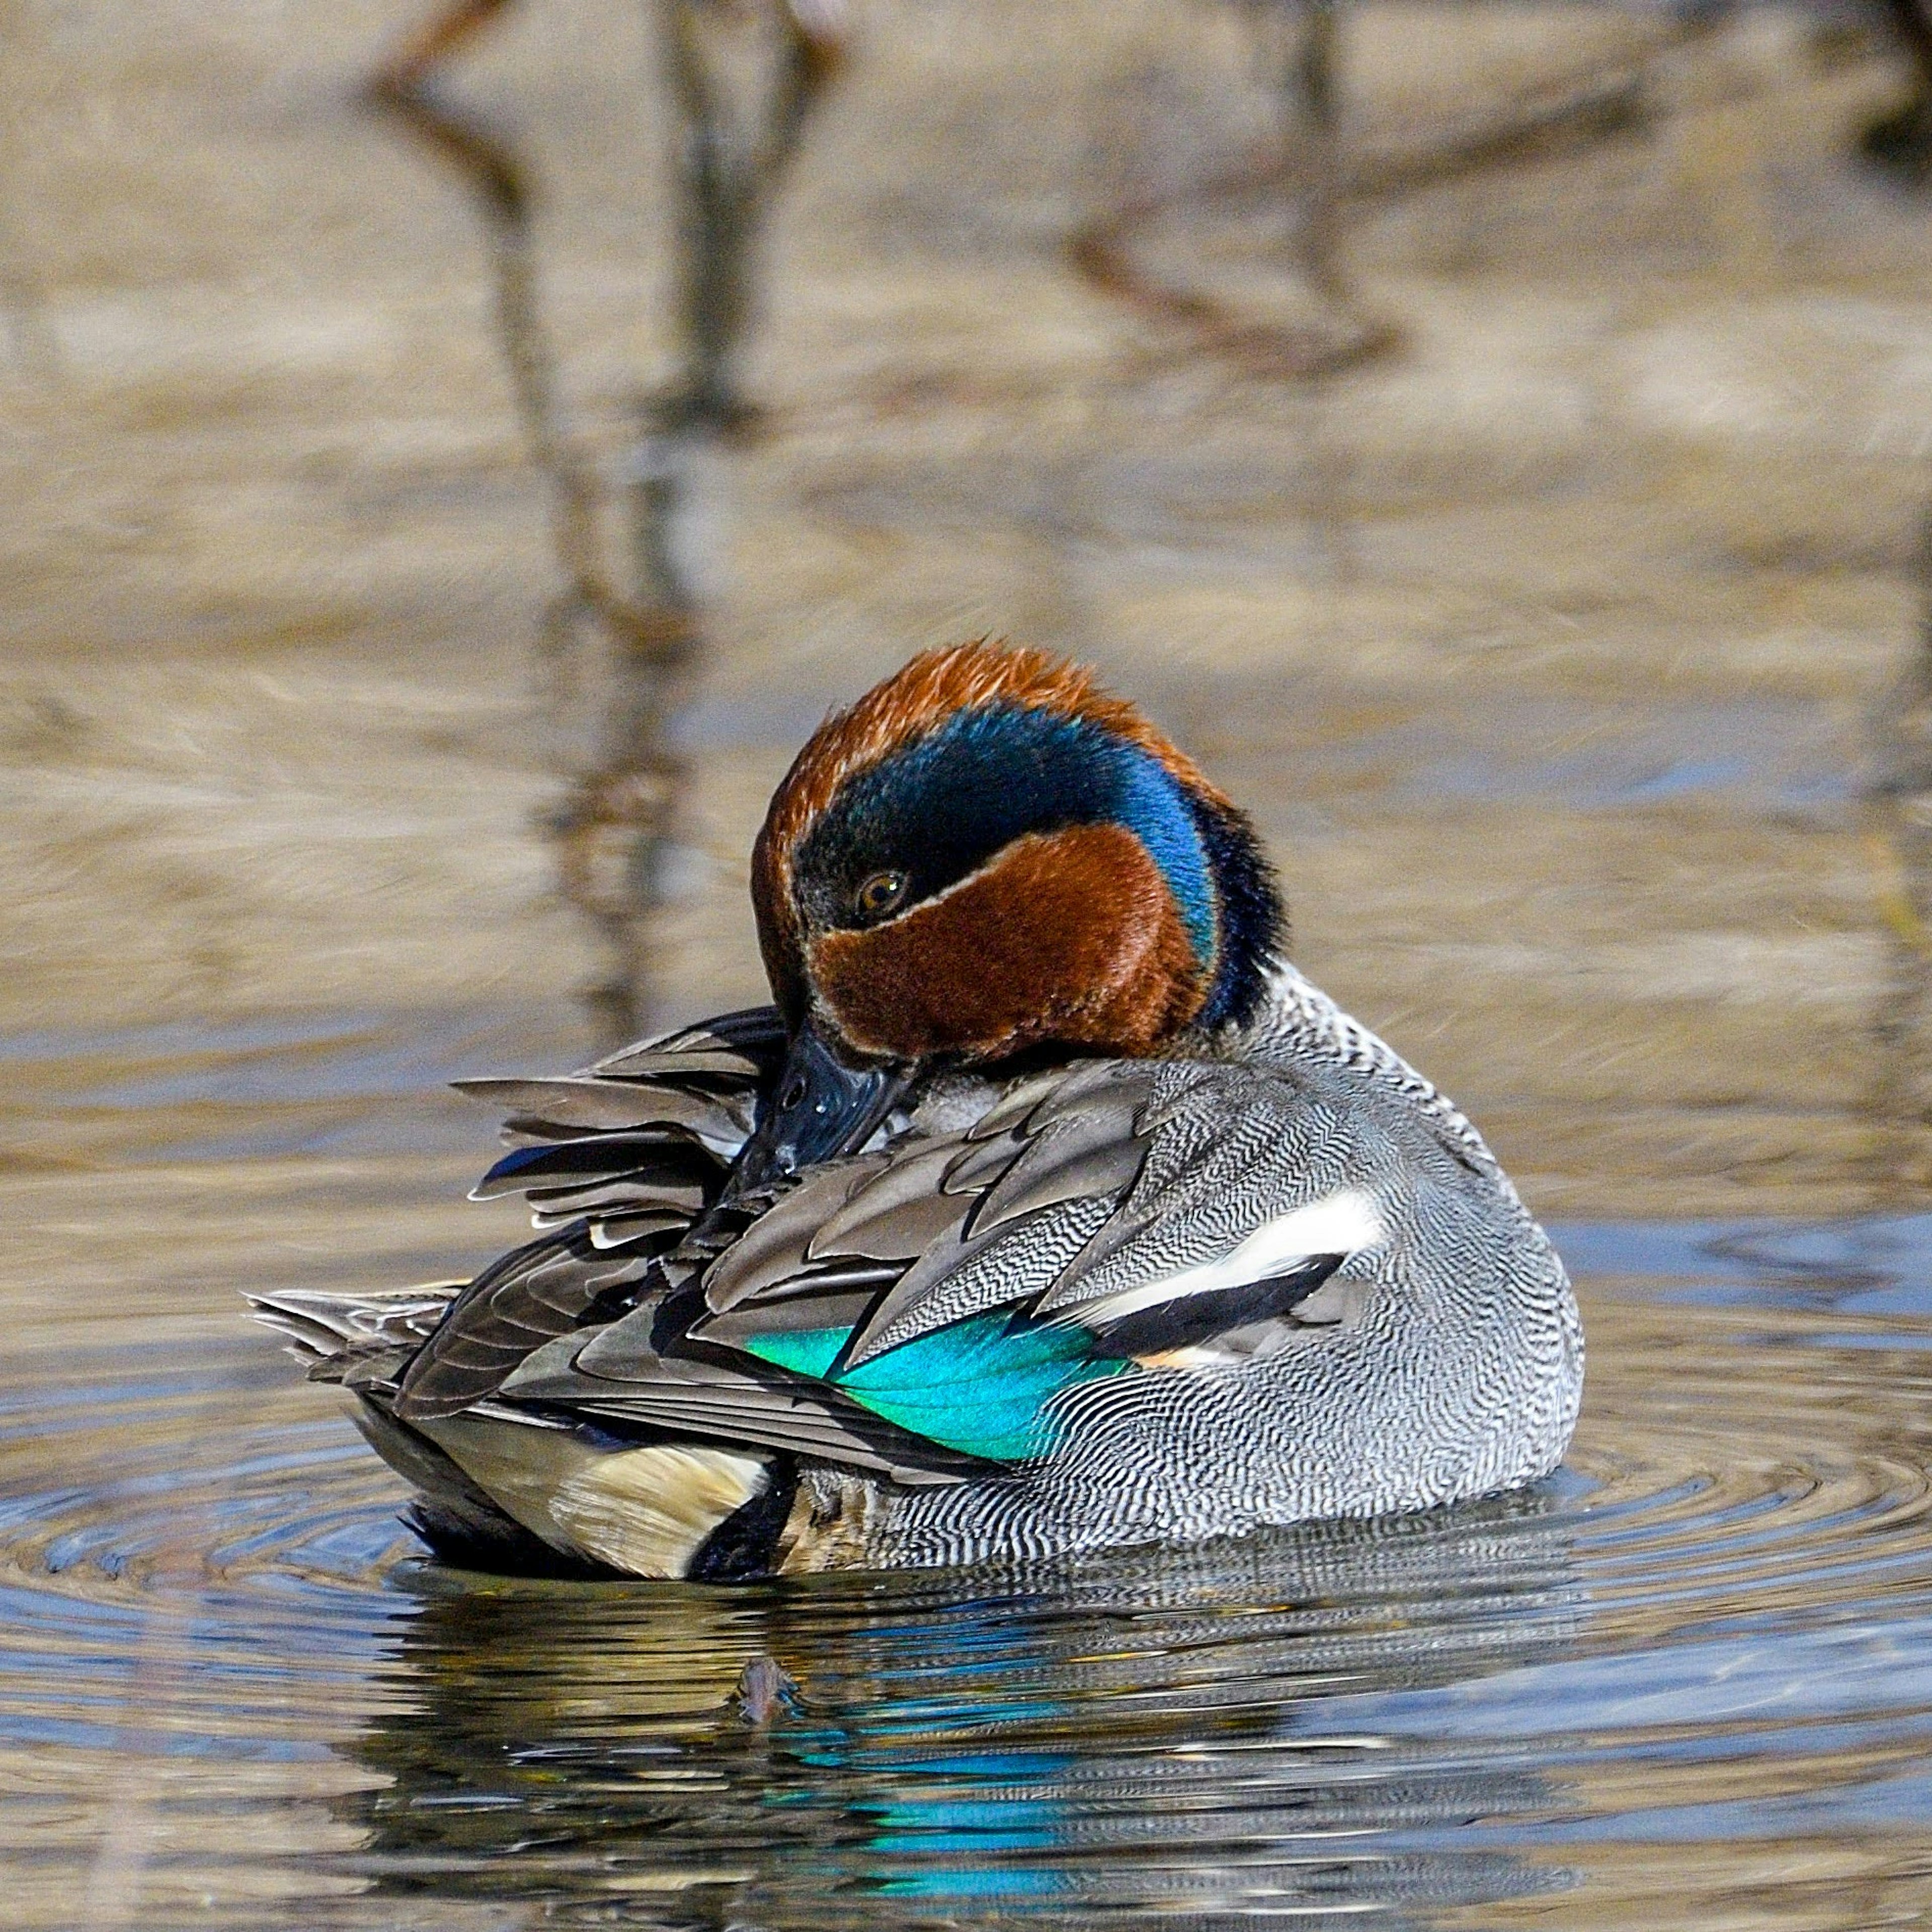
column 1145, row 1734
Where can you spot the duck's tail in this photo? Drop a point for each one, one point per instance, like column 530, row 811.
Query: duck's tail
column 340, row 1335
column 505, row 1488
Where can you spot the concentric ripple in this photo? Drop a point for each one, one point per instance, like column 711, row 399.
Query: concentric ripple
column 1693, row 1676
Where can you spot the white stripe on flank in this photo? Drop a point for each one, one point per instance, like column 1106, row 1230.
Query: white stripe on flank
column 1338, row 1224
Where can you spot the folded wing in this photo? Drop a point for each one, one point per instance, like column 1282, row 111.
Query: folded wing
column 915, row 1311
column 1106, row 1220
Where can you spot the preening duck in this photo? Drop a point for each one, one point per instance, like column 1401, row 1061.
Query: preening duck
column 1047, row 1207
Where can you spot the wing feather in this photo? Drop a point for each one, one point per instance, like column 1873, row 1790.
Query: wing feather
column 1096, row 1195
column 746, row 1048
column 1096, row 1216
column 617, row 1162
column 1081, row 1162
column 334, row 1332
column 777, row 1247
column 620, row 1374
column 589, row 1103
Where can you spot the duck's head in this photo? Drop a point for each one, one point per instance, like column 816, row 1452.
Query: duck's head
column 987, row 855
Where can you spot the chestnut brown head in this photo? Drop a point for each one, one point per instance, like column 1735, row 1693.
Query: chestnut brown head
column 986, row 854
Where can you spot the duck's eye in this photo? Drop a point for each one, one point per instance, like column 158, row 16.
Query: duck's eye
column 879, row 894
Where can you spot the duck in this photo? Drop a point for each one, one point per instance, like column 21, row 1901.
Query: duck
column 1046, row 1208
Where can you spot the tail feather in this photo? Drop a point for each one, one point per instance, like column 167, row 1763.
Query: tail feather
column 647, row 1509
column 334, row 1332
column 503, row 1489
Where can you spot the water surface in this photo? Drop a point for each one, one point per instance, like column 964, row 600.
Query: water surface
column 1543, row 651
column 1691, row 1675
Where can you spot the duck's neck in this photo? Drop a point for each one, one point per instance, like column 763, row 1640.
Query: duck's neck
column 1251, row 921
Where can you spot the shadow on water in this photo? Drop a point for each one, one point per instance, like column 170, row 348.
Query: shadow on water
column 1180, row 1734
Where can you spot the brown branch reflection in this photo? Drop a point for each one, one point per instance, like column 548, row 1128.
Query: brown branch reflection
column 613, row 829
column 1899, row 143
column 1301, row 49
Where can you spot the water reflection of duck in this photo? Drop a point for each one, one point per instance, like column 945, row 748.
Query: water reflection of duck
column 1206, row 1733
column 1048, row 1208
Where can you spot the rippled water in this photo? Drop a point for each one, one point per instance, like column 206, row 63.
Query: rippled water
column 1689, row 1682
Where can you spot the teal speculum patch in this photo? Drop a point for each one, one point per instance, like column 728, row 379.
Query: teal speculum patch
column 981, row 1386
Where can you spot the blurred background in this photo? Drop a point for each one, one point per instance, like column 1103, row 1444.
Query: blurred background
column 449, row 462
column 1493, row 438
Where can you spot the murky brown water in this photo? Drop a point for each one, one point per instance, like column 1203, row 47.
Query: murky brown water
column 1545, row 651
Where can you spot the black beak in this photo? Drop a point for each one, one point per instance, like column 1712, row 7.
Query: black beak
column 823, row 1106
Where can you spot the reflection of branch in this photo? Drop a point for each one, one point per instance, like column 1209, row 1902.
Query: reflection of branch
column 613, row 829
column 27, row 336
column 494, row 173
column 729, row 177
column 1560, row 122
column 1551, row 121
column 1314, row 93
column 1900, row 141
column 1316, row 348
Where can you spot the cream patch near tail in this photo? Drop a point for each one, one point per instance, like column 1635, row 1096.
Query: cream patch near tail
column 647, row 1511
